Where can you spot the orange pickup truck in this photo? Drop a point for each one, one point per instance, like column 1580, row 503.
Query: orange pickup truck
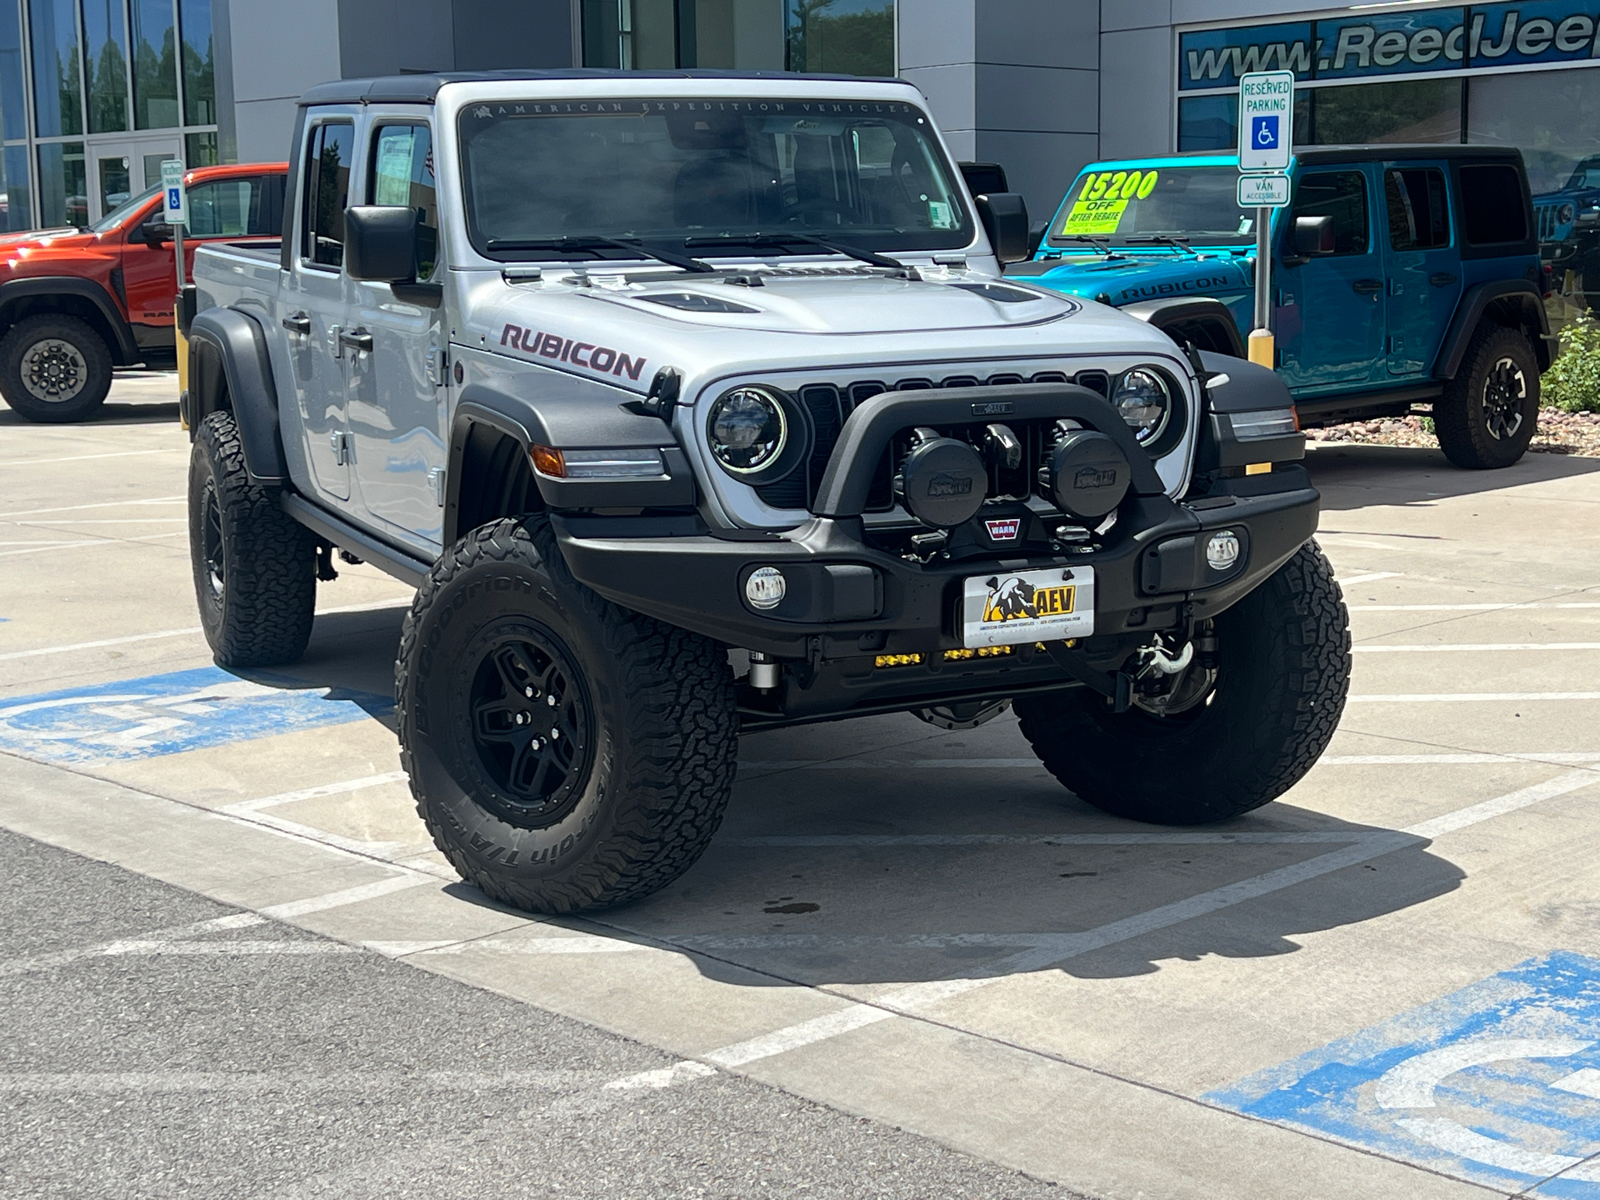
column 74, row 303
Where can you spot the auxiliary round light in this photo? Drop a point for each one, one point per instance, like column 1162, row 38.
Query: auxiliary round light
column 765, row 588
column 1222, row 551
column 1143, row 400
column 748, row 429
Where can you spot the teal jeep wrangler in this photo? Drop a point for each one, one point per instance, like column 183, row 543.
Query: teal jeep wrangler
column 1402, row 276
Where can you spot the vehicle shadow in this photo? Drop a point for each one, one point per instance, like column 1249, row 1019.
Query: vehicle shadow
column 942, row 855
column 112, row 413
column 1354, row 476
column 975, row 862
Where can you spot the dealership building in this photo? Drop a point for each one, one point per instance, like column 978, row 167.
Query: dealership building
column 94, row 94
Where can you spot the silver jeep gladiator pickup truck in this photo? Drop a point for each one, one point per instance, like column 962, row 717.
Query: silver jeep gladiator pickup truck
column 694, row 403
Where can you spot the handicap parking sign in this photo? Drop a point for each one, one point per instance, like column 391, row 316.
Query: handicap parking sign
column 168, row 714
column 1264, row 132
column 1498, row 1083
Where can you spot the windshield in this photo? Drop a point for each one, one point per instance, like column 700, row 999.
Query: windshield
column 669, row 171
column 1198, row 203
column 124, row 210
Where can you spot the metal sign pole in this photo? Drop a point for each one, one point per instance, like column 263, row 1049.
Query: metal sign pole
column 1261, row 342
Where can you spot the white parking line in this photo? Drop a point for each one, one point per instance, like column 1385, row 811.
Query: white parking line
column 1475, row 647
column 1369, row 577
column 1418, row 760
column 1288, row 837
column 665, row 1077
column 43, row 462
column 354, row 895
column 997, row 764
column 1468, row 607
column 128, row 541
column 909, row 1001
column 106, row 521
column 246, row 949
column 1469, row 697
column 312, row 793
column 29, row 512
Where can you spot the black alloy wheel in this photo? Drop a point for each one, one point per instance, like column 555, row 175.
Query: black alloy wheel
column 212, row 555
column 1490, row 410
column 1505, row 392
column 532, row 726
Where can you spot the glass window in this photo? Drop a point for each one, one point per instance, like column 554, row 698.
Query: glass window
column 841, row 37
column 1422, row 110
column 106, row 62
column 199, row 73
column 17, row 210
column 1341, row 195
column 13, row 109
column 232, row 208
column 734, row 35
column 54, row 29
column 1212, row 122
column 126, row 209
column 703, row 172
column 1200, row 203
column 402, row 175
column 155, row 67
column 1419, row 214
column 200, row 150
column 63, row 189
column 1551, row 116
column 1491, row 205
column 632, row 34
column 327, row 192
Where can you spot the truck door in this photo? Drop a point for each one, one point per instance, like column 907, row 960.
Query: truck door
column 1422, row 267
column 312, row 305
column 1336, row 326
column 397, row 412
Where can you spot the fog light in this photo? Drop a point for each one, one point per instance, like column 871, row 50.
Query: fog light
column 1222, row 551
column 765, row 588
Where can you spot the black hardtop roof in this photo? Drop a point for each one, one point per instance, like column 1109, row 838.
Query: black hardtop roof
column 1384, row 152
column 423, row 89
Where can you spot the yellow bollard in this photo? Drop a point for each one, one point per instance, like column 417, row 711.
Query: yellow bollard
column 181, row 344
column 1262, row 348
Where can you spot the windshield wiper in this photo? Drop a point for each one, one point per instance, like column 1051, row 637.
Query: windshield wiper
column 781, row 239
column 1102, row 245
column 1157, row 239
column 594, row 243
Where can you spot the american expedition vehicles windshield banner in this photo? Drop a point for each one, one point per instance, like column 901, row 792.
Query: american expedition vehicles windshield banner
column 1370, row 44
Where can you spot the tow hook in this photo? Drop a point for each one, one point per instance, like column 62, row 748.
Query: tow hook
column 1158, row 660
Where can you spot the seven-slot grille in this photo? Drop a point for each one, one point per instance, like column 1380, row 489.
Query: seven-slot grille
column 828, row 405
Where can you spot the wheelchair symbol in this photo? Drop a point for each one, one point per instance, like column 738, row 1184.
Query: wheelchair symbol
column 1264, row 132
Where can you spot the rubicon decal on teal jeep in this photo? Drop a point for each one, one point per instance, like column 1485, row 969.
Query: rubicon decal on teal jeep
column 1403, row 276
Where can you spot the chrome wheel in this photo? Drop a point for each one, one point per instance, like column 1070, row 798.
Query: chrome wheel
column 54, row 370
column 1505, row 390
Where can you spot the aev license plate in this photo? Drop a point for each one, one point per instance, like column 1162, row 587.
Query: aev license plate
column 1008, row 608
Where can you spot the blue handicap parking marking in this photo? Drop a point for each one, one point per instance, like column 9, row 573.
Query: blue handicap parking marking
column 1498, row 1083
column 168, row 714
column 1264, row 132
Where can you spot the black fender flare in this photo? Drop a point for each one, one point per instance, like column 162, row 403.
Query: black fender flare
column 14, row 293
column 1516, row 295
column 1176, row 310
column 562, row 421
column 228, row 357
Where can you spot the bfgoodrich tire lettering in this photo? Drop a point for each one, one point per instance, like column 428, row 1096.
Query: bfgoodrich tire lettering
column 1489, row 411
column 254, row 567
column 1283, row 674
column 635, row 806
column 54, row 369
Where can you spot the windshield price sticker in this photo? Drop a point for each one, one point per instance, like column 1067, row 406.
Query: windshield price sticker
column 1266, row 120
column 173, row 200
column 1104, row 198
column 1263, row 191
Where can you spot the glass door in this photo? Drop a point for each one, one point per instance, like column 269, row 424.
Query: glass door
column 123, row 168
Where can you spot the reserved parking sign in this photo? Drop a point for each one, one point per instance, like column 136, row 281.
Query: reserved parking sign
column 175, row 200
column 1266, row 120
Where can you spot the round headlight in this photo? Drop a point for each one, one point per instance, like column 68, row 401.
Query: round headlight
column 748, row 430
column 1143, row 400
column 1566, row 214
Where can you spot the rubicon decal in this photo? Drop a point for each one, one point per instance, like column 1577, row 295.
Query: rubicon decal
column 582, row 354
column 1004, row 530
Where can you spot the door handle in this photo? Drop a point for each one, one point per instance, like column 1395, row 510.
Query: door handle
column 298, row 322
column 356, row 339
column 1441, row 279
column 1367, row 287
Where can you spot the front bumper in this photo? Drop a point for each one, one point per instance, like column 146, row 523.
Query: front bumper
column 849, row 602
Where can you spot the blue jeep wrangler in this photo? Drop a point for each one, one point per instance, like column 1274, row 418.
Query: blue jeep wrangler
column 1568, row 221
column 1402, row 276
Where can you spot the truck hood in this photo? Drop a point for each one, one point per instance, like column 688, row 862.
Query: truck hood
column 627, row 328
column 1120, row 281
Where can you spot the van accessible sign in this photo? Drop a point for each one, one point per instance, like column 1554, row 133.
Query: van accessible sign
column 1266, row 117
column 1475, row 37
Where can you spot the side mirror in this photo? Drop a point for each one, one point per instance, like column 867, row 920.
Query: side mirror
column 1313, row 236
column 380, row 243
column 154, row 233
column 1005, row 220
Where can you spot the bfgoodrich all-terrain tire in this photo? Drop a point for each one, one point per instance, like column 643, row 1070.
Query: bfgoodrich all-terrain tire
column 565, row 753
column 1489, row 411
column 254, row 567
column 54, row 369
column 1283, row 670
